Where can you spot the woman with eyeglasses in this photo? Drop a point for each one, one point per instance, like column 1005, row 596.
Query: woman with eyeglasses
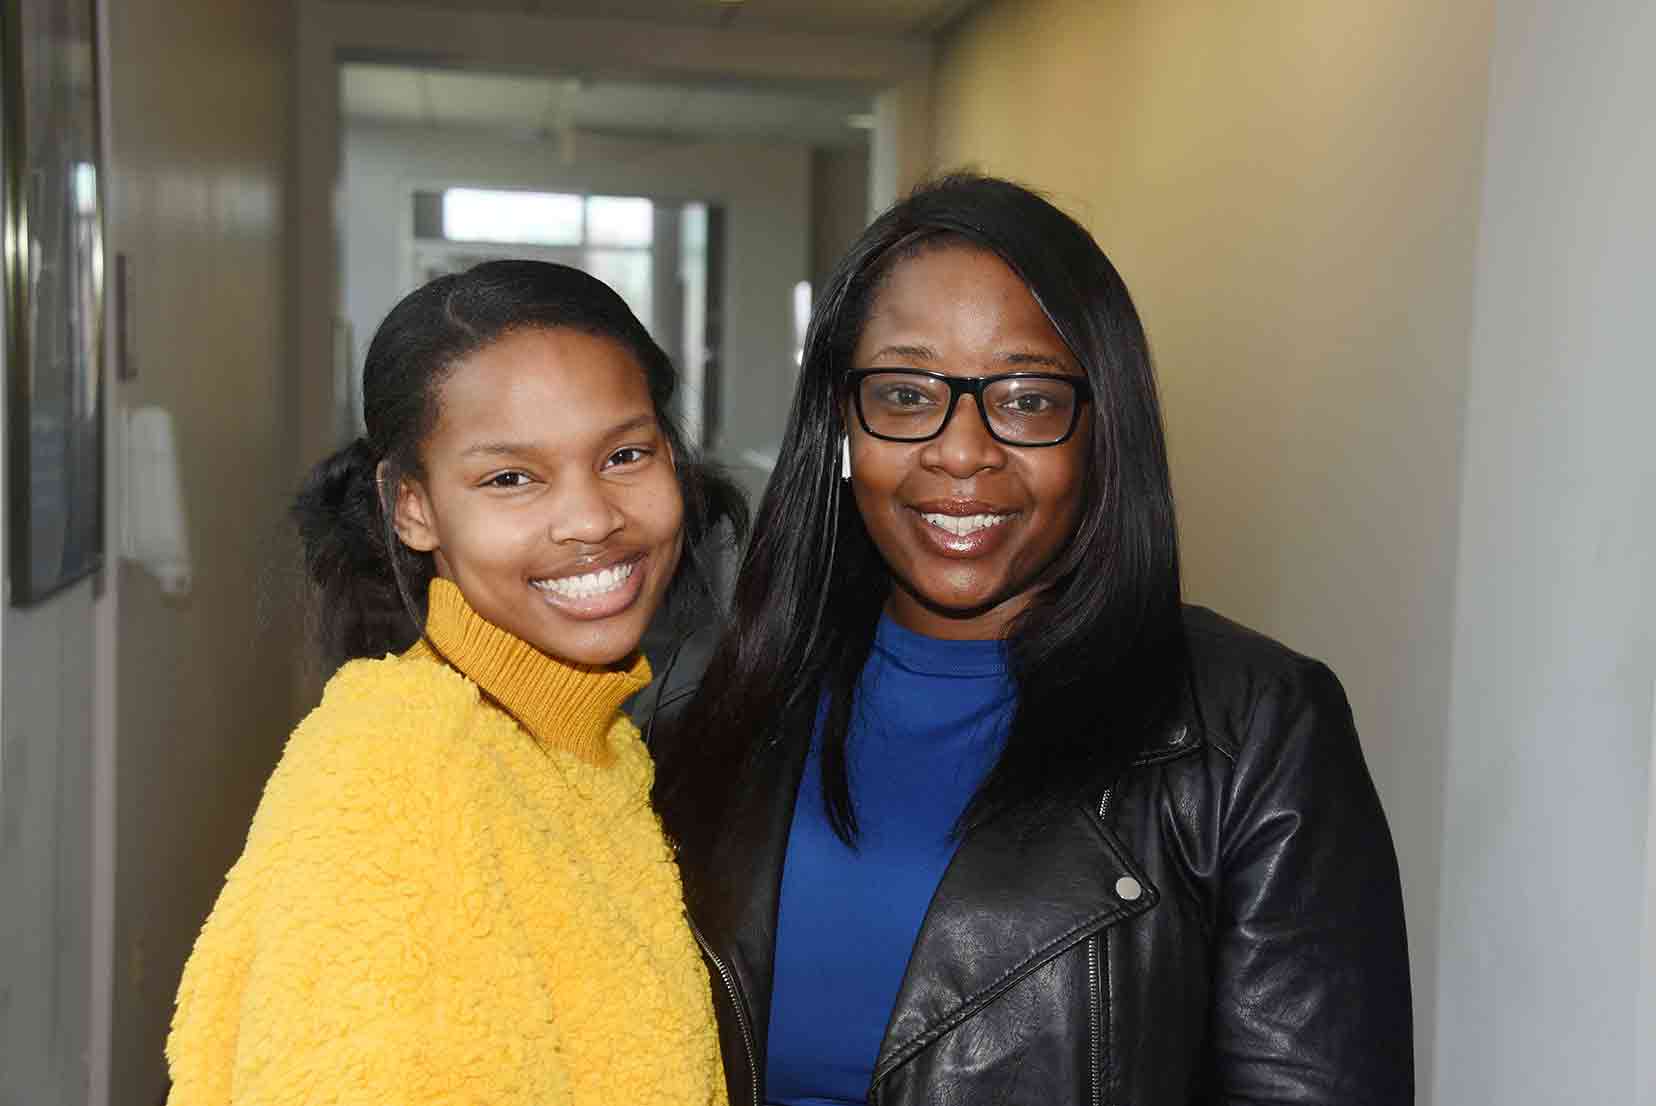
column 970, row 807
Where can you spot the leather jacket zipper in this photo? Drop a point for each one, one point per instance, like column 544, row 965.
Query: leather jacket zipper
column 736, row 1004
column 1096, row 1020
column 1095, row 992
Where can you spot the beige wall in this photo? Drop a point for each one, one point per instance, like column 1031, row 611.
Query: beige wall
column 900, row 153
column 201, row 150
column 1291, row 192
column 839, row 207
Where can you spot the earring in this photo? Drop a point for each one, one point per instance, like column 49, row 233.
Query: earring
column 845, row 457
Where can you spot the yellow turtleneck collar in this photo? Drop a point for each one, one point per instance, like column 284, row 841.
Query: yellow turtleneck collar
column 563, row 705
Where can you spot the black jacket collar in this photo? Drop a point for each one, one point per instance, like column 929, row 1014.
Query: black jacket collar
column 1069, row 863
column 1040, row 888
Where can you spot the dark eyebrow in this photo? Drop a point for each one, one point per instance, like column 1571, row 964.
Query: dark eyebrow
column 496, row 449
column 1034, row 359
column 914, row 353
column 510, row 449
column 1016, row 357
column 637, row 422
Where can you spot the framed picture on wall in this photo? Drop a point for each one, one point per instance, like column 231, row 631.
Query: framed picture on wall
column 53, row 274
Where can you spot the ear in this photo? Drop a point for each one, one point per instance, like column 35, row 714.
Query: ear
column 411, row 514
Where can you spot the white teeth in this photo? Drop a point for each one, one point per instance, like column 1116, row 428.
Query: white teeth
column 961, row 525
column 592, row 583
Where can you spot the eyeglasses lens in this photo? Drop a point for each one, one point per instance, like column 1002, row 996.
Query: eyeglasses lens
column 1022, row 410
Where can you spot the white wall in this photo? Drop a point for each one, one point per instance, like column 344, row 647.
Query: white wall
column 764, row 190
column 1644, row 1076
column 46, row 755
column 1545, row 872
column 53, row 685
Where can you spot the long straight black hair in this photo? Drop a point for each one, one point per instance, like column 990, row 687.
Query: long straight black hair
column 1098, row 656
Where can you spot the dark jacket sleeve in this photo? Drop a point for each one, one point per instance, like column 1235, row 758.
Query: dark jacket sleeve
column 1311, row 983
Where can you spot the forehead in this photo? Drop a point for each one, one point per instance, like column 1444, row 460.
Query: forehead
column 542, row 385
column 962, row 304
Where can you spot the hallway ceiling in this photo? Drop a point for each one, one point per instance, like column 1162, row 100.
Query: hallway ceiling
column 895, row 18
column 533, row 105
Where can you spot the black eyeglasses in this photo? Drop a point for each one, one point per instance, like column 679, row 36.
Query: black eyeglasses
column 1022, row 409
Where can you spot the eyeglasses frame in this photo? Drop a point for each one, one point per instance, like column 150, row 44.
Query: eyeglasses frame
column 968, row 386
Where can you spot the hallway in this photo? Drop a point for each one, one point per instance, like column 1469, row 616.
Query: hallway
column 1394, row 259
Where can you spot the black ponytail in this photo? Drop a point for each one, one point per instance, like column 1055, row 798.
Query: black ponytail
column 368, row 589
column 363, row 599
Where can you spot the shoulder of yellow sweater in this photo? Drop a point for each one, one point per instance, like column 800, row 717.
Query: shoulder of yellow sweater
column 385, row 740
column 402, row 699
column 419, row 678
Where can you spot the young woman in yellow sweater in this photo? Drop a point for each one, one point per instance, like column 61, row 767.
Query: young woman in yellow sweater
column 455, row 889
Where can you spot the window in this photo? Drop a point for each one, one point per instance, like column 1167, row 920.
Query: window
column 488, row 215
column 611, row 237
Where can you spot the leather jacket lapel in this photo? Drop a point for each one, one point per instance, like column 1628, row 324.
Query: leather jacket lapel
column 732, row 896
column 1014, row 897
column 980, row 934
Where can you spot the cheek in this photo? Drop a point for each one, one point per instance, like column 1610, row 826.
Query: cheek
column 487, row 533
column 881, row 465
column 513, row 533
column 1060, row 491
column 876, row 506
column 877, row 469
column 659, row 511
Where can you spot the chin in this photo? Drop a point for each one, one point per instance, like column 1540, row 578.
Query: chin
column 965, row 602
column 599, row 651
column 965, row 608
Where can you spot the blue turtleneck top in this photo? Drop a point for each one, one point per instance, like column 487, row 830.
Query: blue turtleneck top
column 930, row 718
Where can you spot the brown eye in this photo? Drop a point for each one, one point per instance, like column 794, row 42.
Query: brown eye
column 1031, row 403
column 903, row 397
column 631, row 455
column 511, row 479
column 900, row 395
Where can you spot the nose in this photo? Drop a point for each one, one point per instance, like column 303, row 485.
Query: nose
column 583, row 513
column 965, row 447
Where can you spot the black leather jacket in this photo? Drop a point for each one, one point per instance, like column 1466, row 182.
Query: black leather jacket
column 1224, row 925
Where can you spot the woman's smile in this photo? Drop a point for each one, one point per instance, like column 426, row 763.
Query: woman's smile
column 963, row 529
column 594, row 593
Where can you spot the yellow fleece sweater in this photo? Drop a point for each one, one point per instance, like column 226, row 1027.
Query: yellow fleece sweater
column 454, row 891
